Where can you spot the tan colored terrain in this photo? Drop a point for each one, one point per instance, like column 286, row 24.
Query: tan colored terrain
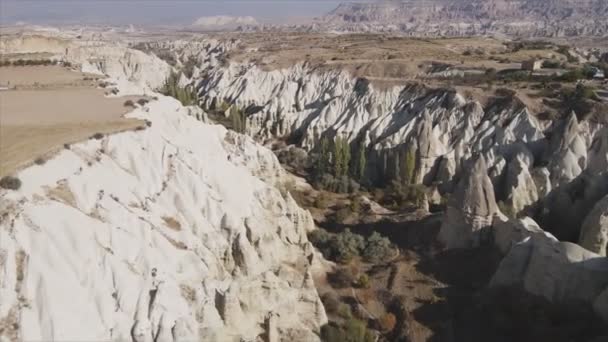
column 46, row 107
column 377, row 56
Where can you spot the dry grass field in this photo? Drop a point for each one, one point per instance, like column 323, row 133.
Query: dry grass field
column 378, row 57
column 46, row 107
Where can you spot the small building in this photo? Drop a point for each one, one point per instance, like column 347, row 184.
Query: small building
column 532, row 65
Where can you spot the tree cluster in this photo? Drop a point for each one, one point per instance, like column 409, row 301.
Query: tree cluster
column 343, row 247
column 26, row 62
column 238, row 119
column 335, row 169
column 186, row 95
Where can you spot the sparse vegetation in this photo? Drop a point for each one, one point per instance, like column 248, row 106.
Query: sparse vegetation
column 97, row 136
column 142, row 102
column 332, row 168
column 363, row 281
column 27, row 62
column 378, row 248
column 186, row 95
column 343, row 247
column 10, row 183
column 353, row 330
column 129, row 103
column 238, row 119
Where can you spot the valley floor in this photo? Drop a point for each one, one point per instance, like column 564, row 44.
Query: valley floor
column 439, row 295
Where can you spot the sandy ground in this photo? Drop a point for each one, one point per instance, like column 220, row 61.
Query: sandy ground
column 52, row 106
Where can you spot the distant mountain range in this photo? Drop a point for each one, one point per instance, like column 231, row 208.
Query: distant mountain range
column 463, row 17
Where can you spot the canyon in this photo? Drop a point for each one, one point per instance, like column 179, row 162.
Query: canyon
column 181, row 229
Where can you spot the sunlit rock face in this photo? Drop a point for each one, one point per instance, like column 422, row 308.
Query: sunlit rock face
column 493, row 160
column 176, row 232
column 470, row 213
column 533, row 18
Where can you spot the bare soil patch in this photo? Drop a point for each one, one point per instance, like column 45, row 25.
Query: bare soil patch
column 52, row 106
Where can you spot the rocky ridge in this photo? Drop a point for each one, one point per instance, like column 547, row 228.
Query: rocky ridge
column 173, row 233
column 491, row 158
column 532, row 18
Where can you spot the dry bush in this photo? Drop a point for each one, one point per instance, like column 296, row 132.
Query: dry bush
column 331, row 302
column 388, row 322
column 10, row 183
column 322, row 200
column 341, row 278
column 172, row 223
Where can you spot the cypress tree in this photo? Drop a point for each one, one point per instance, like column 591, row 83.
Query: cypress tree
column 361, row 163
column 408, row 166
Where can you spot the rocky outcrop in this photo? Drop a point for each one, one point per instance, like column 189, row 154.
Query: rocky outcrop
column 594, row 232
column 561, row 272
column 471, row 210
column 556, row 18
column 567, row 152
column 173, row 233
column 598, row 153
column 428, row 151
column 512, row 232
column 520, row 186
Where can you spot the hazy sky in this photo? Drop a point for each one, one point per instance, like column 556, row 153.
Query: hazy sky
column 150, row 12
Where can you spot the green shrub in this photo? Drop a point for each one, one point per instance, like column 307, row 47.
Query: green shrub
column 186, row 95
column 572, row 76
column 356, row 331
column 331, row 302
column 321, row 201
column 343, row 214
column 332, row 333
column 341, row 278
column 238, row 119
column 320, row 237
column 377, row 249
column 551, row 64
column 363, row 281
column 10, row 183
column 347, row 246
column 129, row 103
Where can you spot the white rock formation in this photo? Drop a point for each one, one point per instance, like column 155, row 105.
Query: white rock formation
column 567, row 152
column 520, row 186
column 509, row 233
column 174, row 233
column 561, row 272
column 594, row 232
column 471, row 210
